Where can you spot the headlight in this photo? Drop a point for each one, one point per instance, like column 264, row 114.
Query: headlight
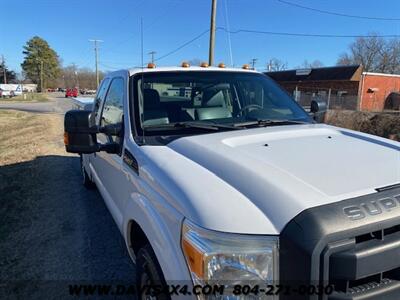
column 229, row 259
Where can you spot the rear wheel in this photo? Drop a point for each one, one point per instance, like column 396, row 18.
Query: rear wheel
column 149, row 273
column 87, row 182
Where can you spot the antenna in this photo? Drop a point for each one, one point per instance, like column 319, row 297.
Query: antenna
column 229, row 32
column 152, row 53
column 142, row 83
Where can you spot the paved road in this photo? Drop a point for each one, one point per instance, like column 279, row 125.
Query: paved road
column 53, row 231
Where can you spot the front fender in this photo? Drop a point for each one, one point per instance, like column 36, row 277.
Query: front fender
column 162, row 226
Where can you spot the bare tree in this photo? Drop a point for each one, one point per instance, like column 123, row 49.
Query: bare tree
column 344, row 60
column 314, row 64
column 374, row 53
column 276, row 64
column 367, row 52
column 72, row 76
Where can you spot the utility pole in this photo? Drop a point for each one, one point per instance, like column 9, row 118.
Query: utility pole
column 96, row 57
column 270, row 65
column 212, row 32
column 152, row 56
column 3, row 65
column 253, row 63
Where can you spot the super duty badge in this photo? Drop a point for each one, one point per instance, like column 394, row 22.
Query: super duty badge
column 372, row 207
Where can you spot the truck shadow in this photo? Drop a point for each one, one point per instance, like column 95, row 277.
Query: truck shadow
column 55, row 231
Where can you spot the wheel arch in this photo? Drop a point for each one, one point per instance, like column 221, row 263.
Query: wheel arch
column 144, row 223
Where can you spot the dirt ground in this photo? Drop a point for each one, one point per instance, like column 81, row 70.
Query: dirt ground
column 53, row 232
column 382, row 124
column 24, row 136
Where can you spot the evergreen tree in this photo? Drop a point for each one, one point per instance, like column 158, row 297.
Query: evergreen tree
column 41, row 63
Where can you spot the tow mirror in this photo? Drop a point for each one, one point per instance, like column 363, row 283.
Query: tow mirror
column 79, row 136
column 318, row 109
column 317, row 105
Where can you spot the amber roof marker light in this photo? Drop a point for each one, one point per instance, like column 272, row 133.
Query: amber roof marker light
column 204, row 65
column 246, row 67
column 221, row 65
column 151, row 66
column 185, row 64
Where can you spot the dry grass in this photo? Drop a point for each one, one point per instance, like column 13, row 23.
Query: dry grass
column 27, row 98
column 24, row 136
column 383, row 124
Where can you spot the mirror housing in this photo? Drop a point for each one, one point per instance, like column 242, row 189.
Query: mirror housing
column 318, row 108
column 318, row 105
column 79, row 135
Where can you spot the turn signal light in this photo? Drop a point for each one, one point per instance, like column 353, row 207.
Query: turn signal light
column 66, row 139
column 246, row 67
column 185, row 65
column 204, row 65
column 221, row 65
column 194, row 258
column 151, row 66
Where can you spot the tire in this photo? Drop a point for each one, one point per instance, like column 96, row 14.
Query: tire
column 86, row 181
column 148, row 272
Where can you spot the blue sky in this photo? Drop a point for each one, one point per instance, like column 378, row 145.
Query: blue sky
column 68, row 24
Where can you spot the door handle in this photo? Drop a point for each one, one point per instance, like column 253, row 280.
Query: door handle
column 131, row 161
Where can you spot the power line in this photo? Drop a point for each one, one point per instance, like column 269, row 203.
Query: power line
column 155, row 20
column 337, row 13
column 109, row 67
column 305, row 34
column 270, row 33
column 183, row 45
column 273, row 33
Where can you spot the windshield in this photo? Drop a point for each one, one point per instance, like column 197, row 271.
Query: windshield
column 165, row 99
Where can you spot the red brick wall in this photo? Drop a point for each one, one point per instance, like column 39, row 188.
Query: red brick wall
column 384, row 84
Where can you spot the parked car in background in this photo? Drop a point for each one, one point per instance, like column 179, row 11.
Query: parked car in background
column 90, row 92
column 71, row 93
column 6, row 93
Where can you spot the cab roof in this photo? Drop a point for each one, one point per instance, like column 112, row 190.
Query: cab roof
column 187, row 69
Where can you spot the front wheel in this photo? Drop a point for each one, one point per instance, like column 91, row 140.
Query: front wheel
column 149, row 273
column 87, row 182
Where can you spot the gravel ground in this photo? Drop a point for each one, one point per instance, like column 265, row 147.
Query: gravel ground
column 53, row 231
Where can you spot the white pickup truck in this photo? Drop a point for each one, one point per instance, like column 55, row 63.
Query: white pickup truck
column 215, row 176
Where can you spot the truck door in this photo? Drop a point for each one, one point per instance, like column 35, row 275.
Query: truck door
column 90, row 159
column 109, row 166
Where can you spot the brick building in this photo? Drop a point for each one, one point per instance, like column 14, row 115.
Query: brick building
column 379, row 91
column 343, row 87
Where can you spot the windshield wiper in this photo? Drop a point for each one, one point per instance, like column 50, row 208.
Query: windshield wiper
column 197, row 125
column 269, row 122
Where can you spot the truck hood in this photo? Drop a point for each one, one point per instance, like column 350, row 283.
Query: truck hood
column 284, row 170
column 256, row 180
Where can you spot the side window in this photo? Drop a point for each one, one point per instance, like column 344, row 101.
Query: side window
column 113, row 106
column 100, row 96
